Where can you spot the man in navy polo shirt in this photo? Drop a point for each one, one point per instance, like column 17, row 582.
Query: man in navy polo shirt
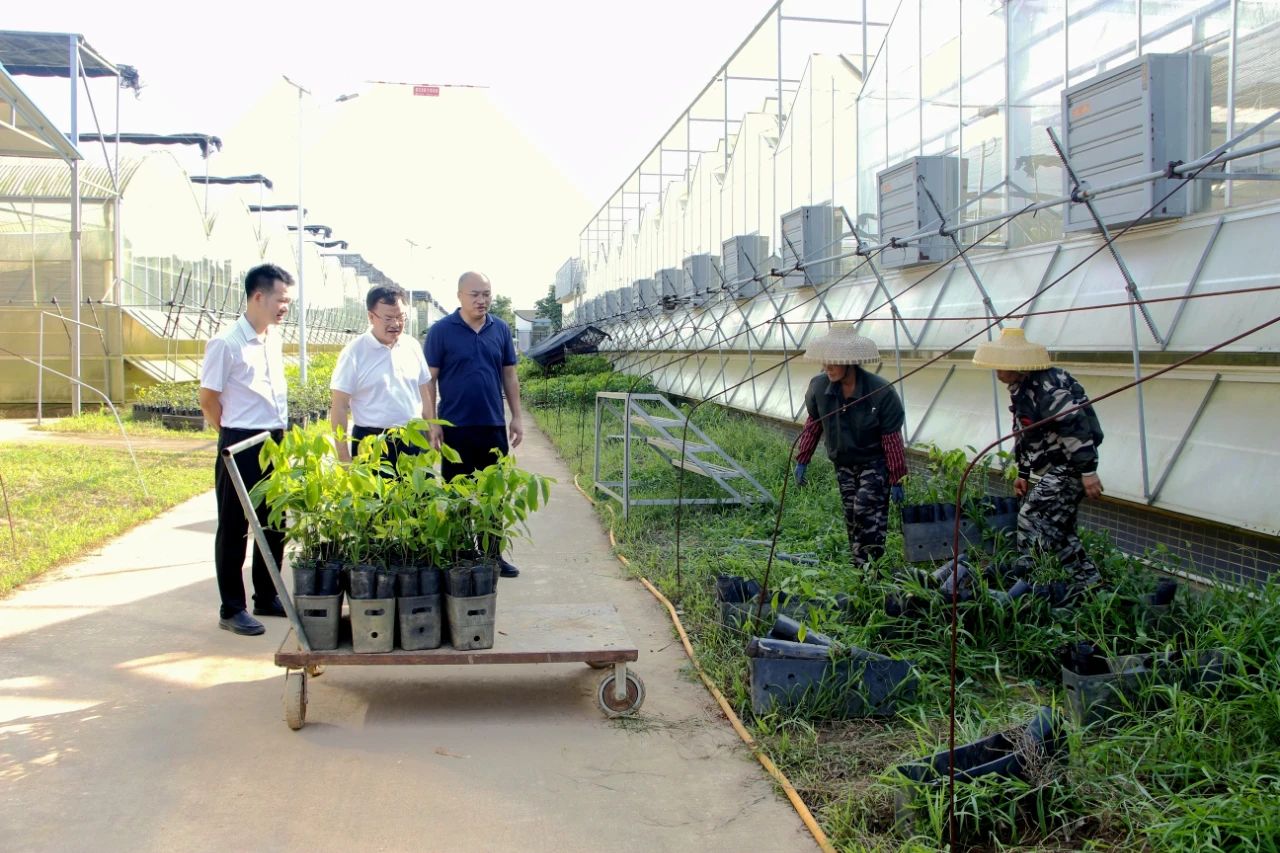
column 473, row 363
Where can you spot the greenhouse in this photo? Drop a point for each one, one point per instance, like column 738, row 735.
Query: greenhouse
column 892, row 468
column 162, row 253
column 768, row 210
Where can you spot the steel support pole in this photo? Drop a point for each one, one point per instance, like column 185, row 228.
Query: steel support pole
column 1132, row 287
column 1186, row 435
column 77, row 281
column 40, row 374
column 986, row 297
column 1232, row 55
column 302, row 297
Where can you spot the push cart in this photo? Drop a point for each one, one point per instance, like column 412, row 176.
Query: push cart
column 537, row 633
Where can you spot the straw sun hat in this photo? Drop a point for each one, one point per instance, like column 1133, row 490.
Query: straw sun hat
column 1012, row 351
column 842, row 345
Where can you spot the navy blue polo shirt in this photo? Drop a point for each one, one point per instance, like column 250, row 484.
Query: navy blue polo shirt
column 470, row 365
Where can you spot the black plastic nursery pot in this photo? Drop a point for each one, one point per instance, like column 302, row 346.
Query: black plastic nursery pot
column 1125, row 683
column 1019, row 754
column 738, row 600
column 406, row 581
column 928, row 530
column 458, row 579
column 363, row 582
column 484, row 578
column 430, row 580
column 328, row 578
column 304, row 577
column 385, row 583
column 826, row 683
column 786, row 628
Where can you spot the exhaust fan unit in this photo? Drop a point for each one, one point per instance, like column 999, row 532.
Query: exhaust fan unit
column 647, row 293
column 905, row 209
column 1133, row 120
column 671, row 285
column 702, row 273
column 811, row 235
column 744, row 256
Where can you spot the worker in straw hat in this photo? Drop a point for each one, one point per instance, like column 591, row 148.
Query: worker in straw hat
column 861, row 417
column 1063, row 453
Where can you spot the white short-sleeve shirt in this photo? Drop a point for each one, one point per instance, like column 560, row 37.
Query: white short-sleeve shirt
column 385, row 382
column 247, row 371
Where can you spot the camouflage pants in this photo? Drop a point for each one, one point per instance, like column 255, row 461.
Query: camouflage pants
column 1047, row 524
column 864, row 492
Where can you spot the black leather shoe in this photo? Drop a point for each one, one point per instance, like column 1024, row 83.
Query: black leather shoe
column 507, row 570
column 242, row 623
column 275, row 608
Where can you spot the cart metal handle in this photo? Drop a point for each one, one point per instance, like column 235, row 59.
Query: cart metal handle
column 260, row 536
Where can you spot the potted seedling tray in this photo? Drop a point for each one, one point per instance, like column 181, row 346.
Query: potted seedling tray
column 1011, row 755
column 828, row 682
column 928, row 530
column 1098, row 688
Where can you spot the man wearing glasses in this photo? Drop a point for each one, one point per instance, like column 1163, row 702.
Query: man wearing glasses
column 473, row 361
column 381, row 379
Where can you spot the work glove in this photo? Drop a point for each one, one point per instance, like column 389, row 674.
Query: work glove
column 801, row 467
column 895, row 494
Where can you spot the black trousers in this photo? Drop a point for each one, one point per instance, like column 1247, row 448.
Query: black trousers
column 475, row 445
column 395, row 447
column 233, row 527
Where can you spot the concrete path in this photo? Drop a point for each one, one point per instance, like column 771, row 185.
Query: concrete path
column 128, row 721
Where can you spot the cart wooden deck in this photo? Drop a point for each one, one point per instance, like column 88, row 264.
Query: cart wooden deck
column 529, row 633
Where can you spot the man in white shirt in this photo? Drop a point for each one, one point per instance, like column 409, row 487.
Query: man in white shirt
column 242, row 393
column 381, row 379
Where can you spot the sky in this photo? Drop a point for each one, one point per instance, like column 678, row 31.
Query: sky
column 584, row 87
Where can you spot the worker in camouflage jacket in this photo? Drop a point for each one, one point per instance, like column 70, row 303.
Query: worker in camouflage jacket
column 1062, row 454
column 861, row 416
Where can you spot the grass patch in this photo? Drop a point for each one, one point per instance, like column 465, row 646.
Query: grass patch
column 1196, row 771
column 101, row 422
column 67, row 500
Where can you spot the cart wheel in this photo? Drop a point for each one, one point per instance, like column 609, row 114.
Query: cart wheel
column 315, row 670
column 295, row 698
column 613, row 707
column 595, row 664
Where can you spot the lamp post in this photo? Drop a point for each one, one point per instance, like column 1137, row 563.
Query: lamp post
column 302, row 302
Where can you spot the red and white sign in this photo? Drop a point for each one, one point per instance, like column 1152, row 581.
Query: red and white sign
column 427, row 91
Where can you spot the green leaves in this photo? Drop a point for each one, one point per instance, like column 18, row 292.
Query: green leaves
column 369, row 511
